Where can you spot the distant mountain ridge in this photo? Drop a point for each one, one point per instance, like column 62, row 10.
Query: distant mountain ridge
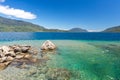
column 12, row 25
column 113, row 29
column 77, row 30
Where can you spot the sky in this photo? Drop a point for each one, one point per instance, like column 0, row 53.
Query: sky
column 93, row 15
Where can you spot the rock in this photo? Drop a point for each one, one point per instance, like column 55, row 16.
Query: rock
column 45, row 57
column 1, row 51
column 48, row 45
column 11, row 53
column 58, row 74
column 18, row 53
column 44, row 70
column 24, row 49
column 4, row 65
column 3, row 59
column 33, row 51
column 9, row 58
column 1, row 54
column 22, row 66
column 17, row 49
column 33, row 60
column 42, row 77
column 27, row 56
column 5, row 49
column 19, row 56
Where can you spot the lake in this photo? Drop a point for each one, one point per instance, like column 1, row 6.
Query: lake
column 10, row 36
column 87, row 56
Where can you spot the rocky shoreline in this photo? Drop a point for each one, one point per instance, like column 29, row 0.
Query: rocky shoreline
column 21, row 56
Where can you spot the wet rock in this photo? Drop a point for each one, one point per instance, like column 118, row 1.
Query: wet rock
column 28, row 56
column 44, row 70
column 5, row 49
column 45, row 57
column 17, row 49
column 18, row 53
column 11, row 53
column 33, row 51
column 4, row 65
column 9, row 58
column 33, row 60
column 19, row 56
column 42, row 77
column 2, row 55
column 48, row 45
column 22, row 66
column 3, row 59
column 56, row 74
column 24, row 49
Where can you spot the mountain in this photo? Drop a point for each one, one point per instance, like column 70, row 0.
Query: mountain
column 11, row 25
column 113, row 29
column 77, row 30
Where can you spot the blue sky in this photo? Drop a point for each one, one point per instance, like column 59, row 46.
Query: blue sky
column 93, row 15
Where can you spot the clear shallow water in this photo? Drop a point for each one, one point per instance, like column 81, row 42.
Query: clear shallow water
column 88, row 56
column 86, row 59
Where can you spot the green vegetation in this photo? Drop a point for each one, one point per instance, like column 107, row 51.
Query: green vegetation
column 77, row 30
column 10, row 25
column 113, row 29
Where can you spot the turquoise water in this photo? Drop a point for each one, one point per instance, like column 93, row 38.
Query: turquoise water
column 86, row 60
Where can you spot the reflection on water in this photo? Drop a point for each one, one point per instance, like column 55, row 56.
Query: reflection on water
column 82, row 60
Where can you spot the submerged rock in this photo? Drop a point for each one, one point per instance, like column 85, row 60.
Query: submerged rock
column 46, row 73
column 58, row 74
column 4, row 65
column 48, row 45
column 13, row 53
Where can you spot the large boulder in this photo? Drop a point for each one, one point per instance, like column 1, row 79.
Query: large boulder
column 48, row 45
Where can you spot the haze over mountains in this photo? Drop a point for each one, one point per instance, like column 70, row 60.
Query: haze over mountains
column 12, row 25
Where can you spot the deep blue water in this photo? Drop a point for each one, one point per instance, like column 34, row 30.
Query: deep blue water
column 8, row 36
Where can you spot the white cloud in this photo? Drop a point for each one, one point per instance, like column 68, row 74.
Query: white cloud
column 18, row 13
column 2, row 0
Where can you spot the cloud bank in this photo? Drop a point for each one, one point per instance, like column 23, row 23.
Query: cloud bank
column 18, row 13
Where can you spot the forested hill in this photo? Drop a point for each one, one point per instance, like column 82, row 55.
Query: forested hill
column 11, row 25
column 113, row 29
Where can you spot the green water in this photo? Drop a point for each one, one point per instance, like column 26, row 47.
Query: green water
column 87, row 60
